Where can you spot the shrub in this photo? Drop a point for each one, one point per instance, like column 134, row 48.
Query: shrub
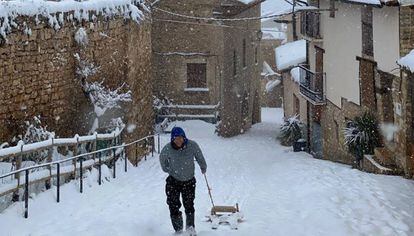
column 362, row 135
column 291, row 130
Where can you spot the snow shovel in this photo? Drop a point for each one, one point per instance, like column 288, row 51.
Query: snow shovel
column 223, row 214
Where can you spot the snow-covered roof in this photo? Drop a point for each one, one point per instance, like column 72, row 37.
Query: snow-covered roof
column 285, row 11
column 271, row 85
column 290, row 54
column 246, row 1
column 368, row 2
column 267, row 70
column 406, row 2
column 407, row 61
column 383, row 2
column 273, row 34
column 295, row 74
column 270, row 6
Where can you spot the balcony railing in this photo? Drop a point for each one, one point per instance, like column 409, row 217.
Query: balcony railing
column 312, row 86
column 310, row 25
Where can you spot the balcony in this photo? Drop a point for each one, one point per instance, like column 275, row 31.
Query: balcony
column 312, row 86
column 310, row 25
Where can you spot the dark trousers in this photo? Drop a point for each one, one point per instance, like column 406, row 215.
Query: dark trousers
column 173, row 189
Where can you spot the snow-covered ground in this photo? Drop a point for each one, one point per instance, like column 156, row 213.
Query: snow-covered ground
column 280, row 193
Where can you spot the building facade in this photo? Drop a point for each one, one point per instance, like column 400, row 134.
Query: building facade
column 205, row 62
column 352, row 53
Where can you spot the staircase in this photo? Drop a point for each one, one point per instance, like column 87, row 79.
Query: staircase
column 382, row 162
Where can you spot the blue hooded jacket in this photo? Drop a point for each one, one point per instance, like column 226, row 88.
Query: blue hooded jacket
column 179, row 163
column 178, row 131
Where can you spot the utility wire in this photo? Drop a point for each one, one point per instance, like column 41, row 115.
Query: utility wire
column 214, row 25
column 223, row 19
column 195, row 23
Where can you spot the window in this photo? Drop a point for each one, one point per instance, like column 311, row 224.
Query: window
column 310, row 24
column 244, row 53
column 196, row 75
column 234, row 63
column 367, row 32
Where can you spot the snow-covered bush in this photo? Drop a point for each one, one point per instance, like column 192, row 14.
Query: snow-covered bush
column 291, row 130
column 362, row 135
column 101, row 97
column 85, row 69
column 36, row 132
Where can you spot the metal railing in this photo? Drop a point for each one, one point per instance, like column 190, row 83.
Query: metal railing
column 81, row 158
column 312, row 86
column 188, row 112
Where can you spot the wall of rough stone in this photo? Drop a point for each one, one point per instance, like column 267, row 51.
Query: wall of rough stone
column 176, row 44
column 403, row 139
column 291, row 89
column 241, row 92
column 406, row 30
column 38, row 76
column 333, row 123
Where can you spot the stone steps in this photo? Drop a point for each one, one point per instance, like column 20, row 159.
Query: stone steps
column 384, row 157
column 369, row 164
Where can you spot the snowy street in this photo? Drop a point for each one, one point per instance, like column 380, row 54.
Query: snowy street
column 279, row 192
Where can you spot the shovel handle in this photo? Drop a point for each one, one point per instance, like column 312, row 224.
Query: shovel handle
column 209, row 190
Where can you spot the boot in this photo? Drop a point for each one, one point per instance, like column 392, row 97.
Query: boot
column 191, row 231
column 189, row 220
column 177, row 222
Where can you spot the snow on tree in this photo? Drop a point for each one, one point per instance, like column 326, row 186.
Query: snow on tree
column 291, row 130
column 101, row 97
column 35, row 132
column 362, row 135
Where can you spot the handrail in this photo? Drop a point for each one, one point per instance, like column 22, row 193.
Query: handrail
column 81, row 159
column 34, row 147
column 190, row 107
column 303, row 66
column 74, row 157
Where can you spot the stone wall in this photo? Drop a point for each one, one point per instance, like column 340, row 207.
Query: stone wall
column 403, row 118
column 406, row 30
column 241, row 90
column 291, row 90
column 333, row 123
column 38, row 76
column 176, row 44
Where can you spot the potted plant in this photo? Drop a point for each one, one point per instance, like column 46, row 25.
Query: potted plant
column 291, row 133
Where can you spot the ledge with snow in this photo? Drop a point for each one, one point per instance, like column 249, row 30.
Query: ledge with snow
column 290, row 55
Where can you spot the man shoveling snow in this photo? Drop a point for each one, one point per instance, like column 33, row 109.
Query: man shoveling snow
column 177, row 159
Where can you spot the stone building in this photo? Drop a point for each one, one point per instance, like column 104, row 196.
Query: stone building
column 202, row 58
column 352, row 49
column 38, row 69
